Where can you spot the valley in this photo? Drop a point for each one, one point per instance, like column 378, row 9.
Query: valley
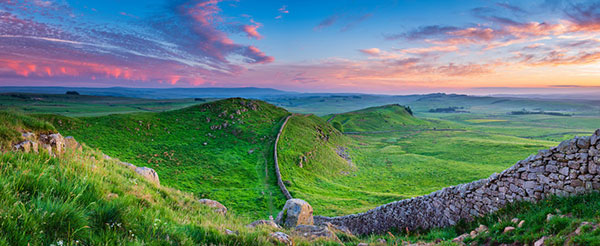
column 340, row 162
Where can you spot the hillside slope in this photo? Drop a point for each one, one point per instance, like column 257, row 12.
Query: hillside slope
column 407, row 157
column 81, row 198
column 220, row 150
column 382, row 118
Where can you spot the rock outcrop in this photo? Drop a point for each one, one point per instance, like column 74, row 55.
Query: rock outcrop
column 295, row 212
column 217, row 206
column 148, row 173
column 571, row 168
column 55, row 144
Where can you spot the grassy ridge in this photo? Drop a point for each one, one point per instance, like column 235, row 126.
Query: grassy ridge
column 220, row 150
column 382, row 118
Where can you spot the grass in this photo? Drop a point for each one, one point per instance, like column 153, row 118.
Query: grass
column 14, row 124
column 569, row 214
column 81, row 198
column 399, row 161
column 382, row 118
column 54, row 201
column 230, row 162
column 83, row 105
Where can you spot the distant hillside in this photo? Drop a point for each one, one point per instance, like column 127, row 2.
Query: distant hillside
column 381, row 118
column 220, row 150
column 156, row 93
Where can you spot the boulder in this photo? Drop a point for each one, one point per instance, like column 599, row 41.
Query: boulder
column 265, row 223
column 71, row 143
column 54, row 143
column 149, row 174
column 282, row 238
column 312, row 232
column 217, row 206
column 295, row 212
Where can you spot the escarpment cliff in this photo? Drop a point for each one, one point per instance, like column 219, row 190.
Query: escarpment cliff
column 571, row 168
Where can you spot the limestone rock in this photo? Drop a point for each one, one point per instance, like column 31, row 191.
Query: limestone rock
column 265, row 223
column 508, row 229
column 312, row 232
column 540, row 242
column 149, row 174
column 71, row 143
column 218, row 207
column 282, row 238
column 295, row 212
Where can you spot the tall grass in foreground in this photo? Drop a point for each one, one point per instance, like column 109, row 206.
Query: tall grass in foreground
column 80, row 199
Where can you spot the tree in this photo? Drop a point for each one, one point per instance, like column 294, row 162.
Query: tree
column 72, row 93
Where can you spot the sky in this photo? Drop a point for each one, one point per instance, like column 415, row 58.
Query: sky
column 385, row 47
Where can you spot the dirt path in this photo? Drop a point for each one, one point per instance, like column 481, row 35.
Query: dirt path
column 284, row 190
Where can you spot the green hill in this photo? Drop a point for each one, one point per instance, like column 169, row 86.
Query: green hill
column 406, row 157
column 220, row 150
column 81, row 198
column 383, row 118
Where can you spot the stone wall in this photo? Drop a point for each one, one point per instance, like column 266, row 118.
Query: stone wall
column 284, row 190
column 571, row 168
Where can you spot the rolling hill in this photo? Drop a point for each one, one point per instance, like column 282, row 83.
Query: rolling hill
column 220, row 150
column 391, row 155
column 381, row 118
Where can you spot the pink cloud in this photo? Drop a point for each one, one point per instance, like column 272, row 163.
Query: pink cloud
column 371, row 51
column 449, row 48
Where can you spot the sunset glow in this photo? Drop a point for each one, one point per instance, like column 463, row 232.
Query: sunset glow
column 390, row 47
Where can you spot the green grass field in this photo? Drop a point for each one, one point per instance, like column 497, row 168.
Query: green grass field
column 220, row 150
column 82, row 105
column 407, row 157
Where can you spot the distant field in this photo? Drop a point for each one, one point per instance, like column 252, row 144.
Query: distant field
column 80, row 105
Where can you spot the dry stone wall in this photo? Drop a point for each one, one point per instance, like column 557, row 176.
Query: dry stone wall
column 571, row 168
column 282, row 187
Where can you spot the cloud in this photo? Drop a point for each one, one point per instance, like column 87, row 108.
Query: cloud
column 327, row 22
column 449, row 48
column 184, row 44
column 282, row 11
column 355, row 21
column 423, row 32
column 371, row 51
column 512, row 8
column 585, row 16
column 250, row 30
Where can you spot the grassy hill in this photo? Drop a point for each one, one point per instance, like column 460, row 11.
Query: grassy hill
column 80, row 198
column 382, row 118
column 220, row 150
column 408, row 156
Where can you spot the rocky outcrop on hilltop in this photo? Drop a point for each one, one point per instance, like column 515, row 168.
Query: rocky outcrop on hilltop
column 571, row 168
